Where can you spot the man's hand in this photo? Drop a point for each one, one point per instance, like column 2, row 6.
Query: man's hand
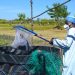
column 51, row 41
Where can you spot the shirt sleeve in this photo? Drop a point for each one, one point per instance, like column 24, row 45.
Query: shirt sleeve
column 65, row 43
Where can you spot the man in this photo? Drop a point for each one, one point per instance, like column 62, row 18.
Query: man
column 20, row 42
column 68, row 45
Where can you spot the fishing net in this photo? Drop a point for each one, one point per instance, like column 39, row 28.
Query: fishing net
column 22, row 37
column 44, row 63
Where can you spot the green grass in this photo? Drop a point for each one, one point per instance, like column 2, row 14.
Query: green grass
column 6, row 39
column 45, row 31
column 35, row 27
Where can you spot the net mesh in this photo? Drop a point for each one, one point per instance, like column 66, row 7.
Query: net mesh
column 43, row 62
column 22, row 34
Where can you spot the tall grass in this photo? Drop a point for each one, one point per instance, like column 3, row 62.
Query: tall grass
column 35, row 26
column 6, row 39
column 47, row 31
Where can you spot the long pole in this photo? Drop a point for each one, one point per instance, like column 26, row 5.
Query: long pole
column 31, row 20
column 51, row 8
column 31, row 5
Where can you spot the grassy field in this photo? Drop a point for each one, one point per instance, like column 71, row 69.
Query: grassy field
column 44, row 31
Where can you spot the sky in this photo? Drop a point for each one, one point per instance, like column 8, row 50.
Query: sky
column 9, row 9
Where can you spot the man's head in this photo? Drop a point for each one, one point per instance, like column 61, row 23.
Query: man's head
column 70, row 21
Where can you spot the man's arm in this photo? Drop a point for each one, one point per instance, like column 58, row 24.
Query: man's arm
column 65, row 43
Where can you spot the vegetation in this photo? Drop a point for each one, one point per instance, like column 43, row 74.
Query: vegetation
column 59, row 13
column 44, row 27
column 21, row 17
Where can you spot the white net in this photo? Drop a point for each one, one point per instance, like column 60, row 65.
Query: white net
column 22, row 37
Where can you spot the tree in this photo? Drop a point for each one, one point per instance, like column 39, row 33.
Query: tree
column 59, row 13
column 21, row 17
